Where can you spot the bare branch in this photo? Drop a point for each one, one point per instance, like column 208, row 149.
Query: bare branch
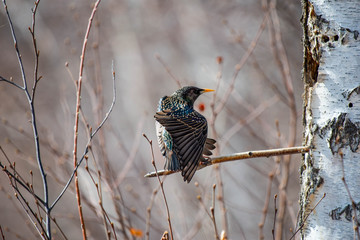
column 33, row 121
column 161, row 187
column 77, row 111
column 25, row 205
column 36, row 51
column 16, row 45
column 98, row 187
column 311, row 210
column 15, row 177
column 89, row 141
column 266, row 204
column 242, row 62
column 168, row 70
column 2, row 234
column 283, row 65
column 241, row 156
column 148, row 210
column 353, row 203
column 274, row 222
column 212, row 209
column 2, row 79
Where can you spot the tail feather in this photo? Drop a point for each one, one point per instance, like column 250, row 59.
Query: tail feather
column 209, row 145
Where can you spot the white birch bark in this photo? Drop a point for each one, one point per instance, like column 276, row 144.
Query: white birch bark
column 331, row 118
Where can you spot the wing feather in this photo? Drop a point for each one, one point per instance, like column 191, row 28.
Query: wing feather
column 188, row 133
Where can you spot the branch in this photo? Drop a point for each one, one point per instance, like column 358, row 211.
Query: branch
column 77, row 114
column 2, row 79
column 212, row 209
column 240, row 65
column 311, row 210
column 16, row 46
column 88, row 143
column 274, row 222
column 16, row 179
column 158, row 57
column 161, row 186
column 36, row 51
column 353, row 204
column 2, row 234
column 267, row 201
column 240, row 156
column 282, row 61
column 33, row 116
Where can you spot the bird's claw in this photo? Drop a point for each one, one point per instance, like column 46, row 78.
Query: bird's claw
column 205, row 161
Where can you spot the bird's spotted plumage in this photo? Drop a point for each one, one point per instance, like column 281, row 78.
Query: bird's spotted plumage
column 182, row 131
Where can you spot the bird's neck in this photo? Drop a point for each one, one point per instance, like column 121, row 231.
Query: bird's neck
column 182, row 106
column 184, row 103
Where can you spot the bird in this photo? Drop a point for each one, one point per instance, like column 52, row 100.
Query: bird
column 182, row 131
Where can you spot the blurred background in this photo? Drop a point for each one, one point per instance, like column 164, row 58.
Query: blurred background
column 249, row 51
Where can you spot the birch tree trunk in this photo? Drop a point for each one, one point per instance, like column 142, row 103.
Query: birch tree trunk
column 331, row 119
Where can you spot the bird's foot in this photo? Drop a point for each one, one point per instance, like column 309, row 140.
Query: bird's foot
column 205, row 161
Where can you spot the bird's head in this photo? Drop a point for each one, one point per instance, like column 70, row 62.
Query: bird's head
column 190, row 94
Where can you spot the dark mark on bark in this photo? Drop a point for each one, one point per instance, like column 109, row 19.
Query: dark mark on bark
column 346, row 212
column 343, row 133
column 355, row 90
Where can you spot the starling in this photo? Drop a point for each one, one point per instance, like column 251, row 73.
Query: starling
column 182, row 131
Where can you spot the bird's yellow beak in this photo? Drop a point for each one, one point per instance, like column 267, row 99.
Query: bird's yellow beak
column 207, row 90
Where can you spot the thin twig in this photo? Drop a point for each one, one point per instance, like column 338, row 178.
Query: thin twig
column 240, row 65
column 130, row 160
column 275, row 212
column 2, row 234
column 98, row 187
column 283, row 65
column 212, row 210
column 25, row 205
column 210, row 214
column 271, row 178
column 33, row 121
column 353, row 203
column 221, row 199
column 121, row 217
column 77, row 111
column 266, row 203
column 57, row 225
column 214, row 114
column 168, row 70
column 217, row 150
column 254, row 114
column 22, row 213
column 311, row 210
column 36, row 51
column 2, row 79
column 16, row 46
column 161, row 186
column 222, row 104
column 241, row 156
column 89, row 141
column 97, row 101
column 256, row 63
column 15, row 177
column 148, row 210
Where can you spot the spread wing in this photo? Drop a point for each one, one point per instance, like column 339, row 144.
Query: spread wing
column 189, row 136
